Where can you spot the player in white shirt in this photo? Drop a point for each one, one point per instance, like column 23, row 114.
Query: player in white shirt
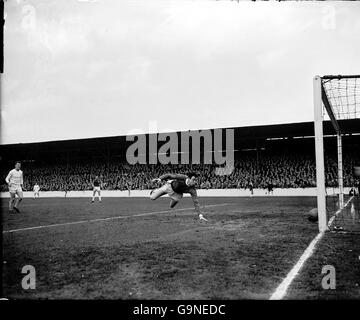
column 15, row 182
column 36, row 191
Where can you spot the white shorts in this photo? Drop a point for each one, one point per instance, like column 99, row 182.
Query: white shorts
column 13, row 188
column 171, row 193
column 97, row 189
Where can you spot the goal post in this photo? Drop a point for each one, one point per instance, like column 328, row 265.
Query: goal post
column 336, row 98
column 319, row 154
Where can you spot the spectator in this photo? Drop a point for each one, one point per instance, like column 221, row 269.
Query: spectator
column 277, row 170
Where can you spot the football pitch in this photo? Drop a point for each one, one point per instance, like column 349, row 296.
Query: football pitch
column 134, row 248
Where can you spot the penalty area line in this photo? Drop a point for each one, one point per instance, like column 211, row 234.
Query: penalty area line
column 281, row 290
column 107, row 219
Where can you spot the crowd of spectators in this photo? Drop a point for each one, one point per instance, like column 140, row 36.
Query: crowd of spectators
column 280, row 171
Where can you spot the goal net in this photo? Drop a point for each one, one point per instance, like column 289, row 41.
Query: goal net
column 337, row 123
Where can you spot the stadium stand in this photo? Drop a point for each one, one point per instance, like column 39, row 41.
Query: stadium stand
column 284, row 162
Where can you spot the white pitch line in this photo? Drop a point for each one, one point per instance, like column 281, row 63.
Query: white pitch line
column 106, row 219
column 281, row 290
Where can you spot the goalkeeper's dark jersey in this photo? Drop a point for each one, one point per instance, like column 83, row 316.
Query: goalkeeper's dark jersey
column 179, row 186
column 96, row 183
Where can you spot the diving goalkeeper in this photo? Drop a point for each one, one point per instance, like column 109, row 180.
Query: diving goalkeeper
column 175, row 186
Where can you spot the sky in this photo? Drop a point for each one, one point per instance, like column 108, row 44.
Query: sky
column 81, row 69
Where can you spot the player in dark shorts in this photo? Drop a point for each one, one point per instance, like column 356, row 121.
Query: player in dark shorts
column 270, row 188
column 65, row 189
column 175, row 186
column 96, row 188
column 250, row 186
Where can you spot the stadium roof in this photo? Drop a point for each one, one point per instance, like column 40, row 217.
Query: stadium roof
column 101, row 144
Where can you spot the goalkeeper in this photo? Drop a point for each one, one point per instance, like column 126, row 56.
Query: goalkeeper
column 175, row 186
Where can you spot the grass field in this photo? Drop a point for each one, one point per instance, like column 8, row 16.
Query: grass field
column 134, row 248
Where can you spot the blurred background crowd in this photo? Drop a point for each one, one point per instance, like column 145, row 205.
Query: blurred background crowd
column 279, row 171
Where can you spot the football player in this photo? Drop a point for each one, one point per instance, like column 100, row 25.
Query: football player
column 96, row 189
column 175, row 186
column 15, row 182
column 36, row 191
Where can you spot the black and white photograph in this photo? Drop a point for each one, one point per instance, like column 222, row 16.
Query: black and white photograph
column 204, row 151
